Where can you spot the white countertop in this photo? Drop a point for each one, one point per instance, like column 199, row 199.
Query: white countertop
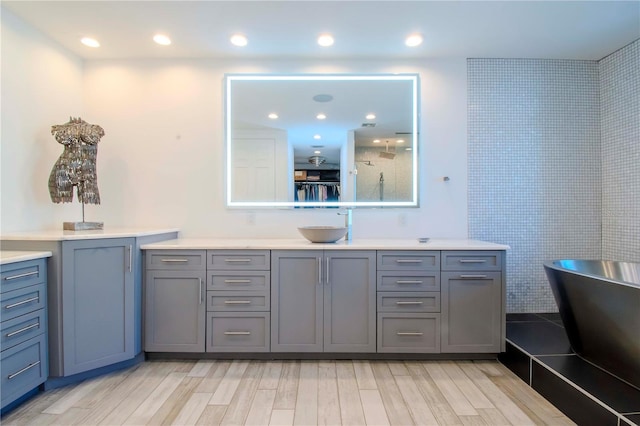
column 300, row 243
column 8, row 256
column 60, row 235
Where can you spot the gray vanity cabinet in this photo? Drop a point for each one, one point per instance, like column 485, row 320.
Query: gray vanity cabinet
column 323, row 301
column 174, row 314
column 472, row 302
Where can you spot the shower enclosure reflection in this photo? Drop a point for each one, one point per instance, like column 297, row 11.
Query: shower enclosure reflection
column 321, row 140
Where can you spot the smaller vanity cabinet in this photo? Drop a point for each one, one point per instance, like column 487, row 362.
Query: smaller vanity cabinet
column 238, row 301
column 23, row 326
column 472, row 301
column 408, row 301
column 175, row 310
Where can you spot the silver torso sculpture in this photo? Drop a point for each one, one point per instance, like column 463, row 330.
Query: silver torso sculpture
column 76, row 166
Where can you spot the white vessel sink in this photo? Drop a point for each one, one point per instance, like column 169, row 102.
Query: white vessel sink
column 323, row 234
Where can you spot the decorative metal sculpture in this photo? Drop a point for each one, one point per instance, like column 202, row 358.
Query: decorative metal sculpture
column 76, row 167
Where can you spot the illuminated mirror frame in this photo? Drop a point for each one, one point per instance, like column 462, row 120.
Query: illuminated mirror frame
column 231, row 78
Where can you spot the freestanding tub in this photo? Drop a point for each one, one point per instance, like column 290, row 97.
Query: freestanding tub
column 599, row 303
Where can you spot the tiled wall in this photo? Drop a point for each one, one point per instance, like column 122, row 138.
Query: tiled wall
column 534, row 167
column 620, row 113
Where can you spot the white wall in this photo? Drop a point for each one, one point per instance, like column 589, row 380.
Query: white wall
column 160, row 162
column 41, row 86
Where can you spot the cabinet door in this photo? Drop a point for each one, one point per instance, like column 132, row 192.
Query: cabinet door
column 174, row 317
column 350, row 301
column 471, row 312
column 97, row 303
column 296, row 300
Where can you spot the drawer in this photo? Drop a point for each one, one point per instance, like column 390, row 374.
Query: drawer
column 408, row 332
column 24, row 327
column 408, row 301
column 239, row 260
column 175, row 259
column 221, row 301
column 414, row 260
column 22, row 301
column 24, row 367
column 408, row 281
column 239, row 281
column 471, row 260
column 22, row 274
column 238, row 332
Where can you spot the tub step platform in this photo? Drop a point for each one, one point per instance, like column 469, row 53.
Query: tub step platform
column 538, row 352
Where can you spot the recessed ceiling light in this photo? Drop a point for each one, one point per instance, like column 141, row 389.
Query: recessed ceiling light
column 317, row 136
column 325, row 40
column 400, row 141
column 162, row 39
column 317, row 152
column 91, row 42
column 239, row 40
column 273, row 116
column 370, row 116
column 376, row 141
column 321, row 116
column 413, row 40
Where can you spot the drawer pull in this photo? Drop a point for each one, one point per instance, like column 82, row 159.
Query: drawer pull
column 23, row 329
column 408, row 260
column 472, row 260
column 17, row 373
column 472, row 276
column 237, row 260
column 237, row 333
column 237, row 281
column 237, row 302
column 409, row 333
column 26, row 274
column 175, row 260
column 408, row 282
column 13, row 305
column 409, row 303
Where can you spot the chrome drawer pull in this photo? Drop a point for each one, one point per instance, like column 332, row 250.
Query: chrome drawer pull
column 17, row 373
column 26, row 274
column 409, row 333
column 175, row 260
column 237, row 281
column 237, row 302
column 408, row 260
column 472, row 260
column 408, row 282
column 237, row 333
column 22, row 330
column 237, row 260
column 473, row 276
column 13, row 305
column 408, row 303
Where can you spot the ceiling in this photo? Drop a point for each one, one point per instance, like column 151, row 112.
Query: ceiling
column 362, row 29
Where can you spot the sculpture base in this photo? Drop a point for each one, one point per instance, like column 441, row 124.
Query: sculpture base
column 82, row 226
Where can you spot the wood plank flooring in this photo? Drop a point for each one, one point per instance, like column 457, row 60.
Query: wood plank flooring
column 241, row 392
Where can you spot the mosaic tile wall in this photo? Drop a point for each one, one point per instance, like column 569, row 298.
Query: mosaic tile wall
column 534, row 167
column 620, row 118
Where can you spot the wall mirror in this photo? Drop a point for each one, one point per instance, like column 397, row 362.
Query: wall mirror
column 320, row 140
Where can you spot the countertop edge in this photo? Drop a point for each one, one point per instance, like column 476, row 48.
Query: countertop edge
column 60, row 235
column 301, row 244
column 11, row 256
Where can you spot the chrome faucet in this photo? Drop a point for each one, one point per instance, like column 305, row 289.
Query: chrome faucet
column 348, row 223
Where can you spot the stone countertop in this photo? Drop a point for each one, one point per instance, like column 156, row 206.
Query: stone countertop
column 60, row 235
column 297, row 244
column 9, row 256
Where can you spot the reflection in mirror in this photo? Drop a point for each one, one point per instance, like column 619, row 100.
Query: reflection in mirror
column 321, row 140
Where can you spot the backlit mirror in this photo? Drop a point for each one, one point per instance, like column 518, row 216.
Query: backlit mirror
column 321, row 140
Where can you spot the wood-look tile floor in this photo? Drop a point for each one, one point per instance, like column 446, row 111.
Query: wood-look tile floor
column 241, row 392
